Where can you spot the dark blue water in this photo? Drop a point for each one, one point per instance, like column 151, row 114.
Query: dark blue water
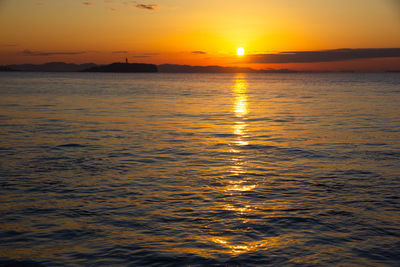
column 199, row 170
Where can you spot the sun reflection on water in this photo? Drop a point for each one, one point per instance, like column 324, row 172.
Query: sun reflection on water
column 239, row 92
column 249, row 246
column 239, row 182
column 240, row 110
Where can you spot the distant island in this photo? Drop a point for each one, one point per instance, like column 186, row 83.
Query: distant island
column 6, row 68
column 141, row 67
column 123, row 67
column 172, row 68
column 49, row 67
column 133, row 67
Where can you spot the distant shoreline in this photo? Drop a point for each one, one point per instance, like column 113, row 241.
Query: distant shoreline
column 152, row 68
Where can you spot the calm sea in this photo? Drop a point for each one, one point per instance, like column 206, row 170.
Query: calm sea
column 199, row 169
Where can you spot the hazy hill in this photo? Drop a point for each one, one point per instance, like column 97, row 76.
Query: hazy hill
column 134, row 67
column 6, row 68
column 172, row 68
column 52, row 67
column 201, row 69
column 123, row 67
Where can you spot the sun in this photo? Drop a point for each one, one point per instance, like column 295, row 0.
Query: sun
column 240, row 51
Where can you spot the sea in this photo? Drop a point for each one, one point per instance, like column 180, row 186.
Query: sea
column 157, row 169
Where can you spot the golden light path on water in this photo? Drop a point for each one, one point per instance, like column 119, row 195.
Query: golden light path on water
column 199, row 170
column 239, row 184
column 240, row 109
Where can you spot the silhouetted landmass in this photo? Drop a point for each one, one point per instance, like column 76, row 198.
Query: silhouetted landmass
column 6, row 68
column 323, row 55
column 123, row 67
column 52, row 67
column 346, row 71
column 392, row 71
column 140, row 67
column 172, row 68
column 276, row 71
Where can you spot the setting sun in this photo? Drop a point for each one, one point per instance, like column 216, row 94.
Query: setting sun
column 197, row 155
column 240, row 51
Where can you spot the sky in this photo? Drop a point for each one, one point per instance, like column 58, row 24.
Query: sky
column 295, row 34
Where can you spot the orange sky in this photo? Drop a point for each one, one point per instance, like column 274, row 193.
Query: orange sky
column 169, row 31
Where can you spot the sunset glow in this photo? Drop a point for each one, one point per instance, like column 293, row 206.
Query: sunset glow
column 192, row 33
column 199, row 133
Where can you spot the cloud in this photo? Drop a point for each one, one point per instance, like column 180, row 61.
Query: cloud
column 199, row 52
column 323, row 55
column 9, row 45
column 396, row 5
column 147, row 7
column 147, row 55
column 88, row 3
column 44, row 53
column 113, row 9
column 122, row 4
column 119, row 52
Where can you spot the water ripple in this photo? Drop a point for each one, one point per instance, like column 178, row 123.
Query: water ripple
column 199, row 170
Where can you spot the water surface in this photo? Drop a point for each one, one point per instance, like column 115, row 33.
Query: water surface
column 200, row 169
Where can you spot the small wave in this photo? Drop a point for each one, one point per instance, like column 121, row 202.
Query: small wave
column 283, row 120
column 258, row 147
column 259, row 119
column 71, row 145
column 224, row 135
column 22, row 263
